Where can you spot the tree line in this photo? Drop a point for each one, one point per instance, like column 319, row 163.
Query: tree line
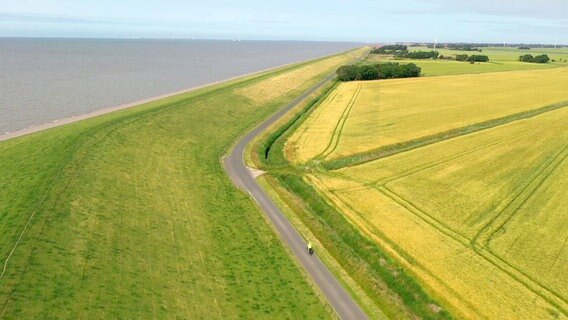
column 391, row 49
column 472, row 58
column 463, row 47
column 400, row 51
column 419, row 55
column 543, row 58
column 378, row 71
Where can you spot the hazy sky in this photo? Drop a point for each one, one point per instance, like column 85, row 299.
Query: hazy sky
column 544, row 21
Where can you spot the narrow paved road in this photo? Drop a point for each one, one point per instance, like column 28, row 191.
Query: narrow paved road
column 343, row 304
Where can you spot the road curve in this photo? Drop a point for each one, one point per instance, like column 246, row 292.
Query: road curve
column 235, row 166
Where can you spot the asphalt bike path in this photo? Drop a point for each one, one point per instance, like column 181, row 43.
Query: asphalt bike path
column 235, row 166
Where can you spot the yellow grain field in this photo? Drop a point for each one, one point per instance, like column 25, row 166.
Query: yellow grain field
column 480, row 220
column 322, row 124
column 388, row 112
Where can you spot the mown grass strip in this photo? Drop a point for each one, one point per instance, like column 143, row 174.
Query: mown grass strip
column 393, row 149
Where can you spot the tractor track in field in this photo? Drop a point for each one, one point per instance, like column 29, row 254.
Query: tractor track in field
column 539, row 176
column 404, row 255
column 548, row 294
column 521, row 277
column 336, row 135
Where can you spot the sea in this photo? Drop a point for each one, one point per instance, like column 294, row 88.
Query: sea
column 43, row 80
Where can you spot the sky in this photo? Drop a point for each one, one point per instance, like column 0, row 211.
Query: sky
column 497, row 21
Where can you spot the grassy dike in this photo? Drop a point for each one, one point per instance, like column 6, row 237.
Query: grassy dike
column 130, row 214
column 376, row 281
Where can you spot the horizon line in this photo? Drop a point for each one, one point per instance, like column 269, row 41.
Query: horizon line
column 281, row 40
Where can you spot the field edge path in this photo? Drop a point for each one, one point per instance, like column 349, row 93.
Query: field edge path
column 342, row 303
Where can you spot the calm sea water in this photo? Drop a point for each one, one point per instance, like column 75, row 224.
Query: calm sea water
column 42, row 80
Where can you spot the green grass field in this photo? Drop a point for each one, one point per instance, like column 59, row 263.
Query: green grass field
column 115, row 217
column 454, row 182
column 501, row 59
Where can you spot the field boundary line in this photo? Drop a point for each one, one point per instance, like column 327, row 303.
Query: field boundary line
column 392, row 149
column 412, row 208
column 440, row 161
column 488, row 254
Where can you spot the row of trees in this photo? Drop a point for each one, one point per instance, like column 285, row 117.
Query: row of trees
column 478, row 58
column 401, row 51
column 463, row 47
column 419, row 55
column 543, row 58
column 378, row 71
column 392, row 49
column 472, row 58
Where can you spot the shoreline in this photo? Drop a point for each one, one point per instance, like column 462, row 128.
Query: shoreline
column 72, row 119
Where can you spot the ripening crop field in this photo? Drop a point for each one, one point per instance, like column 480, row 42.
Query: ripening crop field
column 462, row 179
column 480, row 220
column 364, row 116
